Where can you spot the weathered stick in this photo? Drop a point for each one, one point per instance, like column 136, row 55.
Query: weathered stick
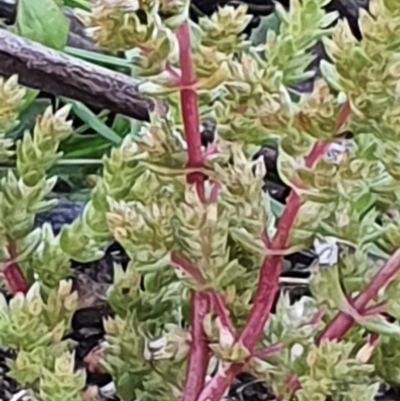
column 50, row 71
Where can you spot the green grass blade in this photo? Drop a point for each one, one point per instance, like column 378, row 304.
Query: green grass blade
column 90, row 119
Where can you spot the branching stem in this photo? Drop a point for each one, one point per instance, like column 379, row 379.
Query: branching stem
column 199, row 352
column 342, row 323
column 266, row 290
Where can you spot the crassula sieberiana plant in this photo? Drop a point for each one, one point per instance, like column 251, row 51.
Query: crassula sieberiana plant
column 193, row 307
column 36, row 319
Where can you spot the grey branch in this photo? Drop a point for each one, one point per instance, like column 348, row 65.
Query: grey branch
column 55, row 73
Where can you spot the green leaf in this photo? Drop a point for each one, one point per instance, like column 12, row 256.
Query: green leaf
column 195, row 33
column 30, row 97
column 328, row 71
column 378, row 324
column 85, row 147
column 42, row 21
column 276, row 207
column 364, row 202
column 82, row 4
column 136, row 126
column 127, row 386
column 100, row 59
column 121, row 125
column 259, row 34
column 28, row 118
column 86, row 115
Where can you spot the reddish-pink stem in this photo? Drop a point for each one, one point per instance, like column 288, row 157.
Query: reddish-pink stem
column 271, row 269
column 199, row 353
column 215, row 298
column 211, row 150
column 189, row 109
column 318, row 316
column 342, row 323
column 13, row 274
column 217, row 386
column 187, row 267
column 266, row 289
column 15, row 279
column 375, row 310
column 269, row 278
column 215, row 189
column 343, row 116
column 293, row 383
column 373, row 338
column 222, row 312
column 198, row 356
column 268, row 351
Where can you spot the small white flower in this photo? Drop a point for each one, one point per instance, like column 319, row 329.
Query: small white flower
column 296, row 351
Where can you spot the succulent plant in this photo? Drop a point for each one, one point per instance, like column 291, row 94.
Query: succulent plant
column 193, row 306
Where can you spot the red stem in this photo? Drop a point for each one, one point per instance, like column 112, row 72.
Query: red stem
column 15, row 279
column 269, row 278
column 267, row 286
column 379, row 309
column 293, row 383
column 268, row 351
column 198, row 356
column 216, row 387
column 342, row 323
column 187, row 267
column 13, row 274
column 271, row 269
column 199, row 352
column 189, row 109
column 216, row 300
column 222, row 312
column 318, row 316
